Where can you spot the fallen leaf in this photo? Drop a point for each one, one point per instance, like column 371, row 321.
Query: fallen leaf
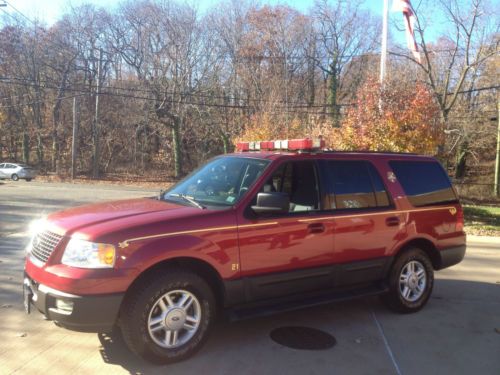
column 357, row 341
column 497, row 330
column 22, row 334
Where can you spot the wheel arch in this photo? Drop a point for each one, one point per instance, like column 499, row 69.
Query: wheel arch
column 195, row 265
column 427, row 246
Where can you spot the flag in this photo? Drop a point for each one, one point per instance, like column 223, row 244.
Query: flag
column 405, row 7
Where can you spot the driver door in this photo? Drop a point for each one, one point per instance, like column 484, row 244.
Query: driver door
column 287, row 253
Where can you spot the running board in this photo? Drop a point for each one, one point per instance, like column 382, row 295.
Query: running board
column 276, row 306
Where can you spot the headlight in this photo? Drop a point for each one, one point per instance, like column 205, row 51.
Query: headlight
column 85, row 254
column 36, row 226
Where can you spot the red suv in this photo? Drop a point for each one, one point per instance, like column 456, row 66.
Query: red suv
column 248, row 233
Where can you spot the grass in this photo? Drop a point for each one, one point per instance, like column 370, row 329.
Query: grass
column 482, row 220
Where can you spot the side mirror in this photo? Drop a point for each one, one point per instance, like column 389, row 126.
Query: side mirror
column 272, row 203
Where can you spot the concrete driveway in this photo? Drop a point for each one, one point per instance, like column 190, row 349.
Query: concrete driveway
column 458, row 332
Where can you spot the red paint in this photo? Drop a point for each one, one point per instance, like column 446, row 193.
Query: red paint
column 233, row 247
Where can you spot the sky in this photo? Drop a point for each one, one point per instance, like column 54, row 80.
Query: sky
column 51, row 10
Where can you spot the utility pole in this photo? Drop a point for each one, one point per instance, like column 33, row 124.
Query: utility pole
column 383, row 49
column 96, row 131
column 75, row 136
column 496, row 189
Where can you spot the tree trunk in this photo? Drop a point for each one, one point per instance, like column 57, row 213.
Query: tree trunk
column 332, row 96
column 39, row 140
column 56, row 112
column 176, row 145
column 55, row 150
column 39, row 149
column 226, row 143
column 26, row 148
column 461, row 166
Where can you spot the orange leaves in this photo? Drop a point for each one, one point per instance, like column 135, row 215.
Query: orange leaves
column 264, row 126
column 398, row 118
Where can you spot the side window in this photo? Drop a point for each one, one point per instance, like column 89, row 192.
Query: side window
column 275, row 183
column 381, row 195
column 424, row 183
column 2, row 166
column 353, row 184
column 298, row 179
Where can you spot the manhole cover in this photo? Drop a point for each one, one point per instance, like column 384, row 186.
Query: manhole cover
column 304, row 338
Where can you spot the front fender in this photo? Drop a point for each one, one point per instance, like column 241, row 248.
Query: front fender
column 218, row 250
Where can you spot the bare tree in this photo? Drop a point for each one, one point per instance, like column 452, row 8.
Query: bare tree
column 344, row 34
column 460, row 53
column 451, row 64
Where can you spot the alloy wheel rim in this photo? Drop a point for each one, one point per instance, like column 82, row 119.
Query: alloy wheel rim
column 174, row 319
column 412, row 281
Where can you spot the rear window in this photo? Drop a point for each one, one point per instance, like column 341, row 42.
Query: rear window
column 425, row 183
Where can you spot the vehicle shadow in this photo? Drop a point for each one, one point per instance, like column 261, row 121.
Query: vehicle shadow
column 114, row 351
column 456, row 305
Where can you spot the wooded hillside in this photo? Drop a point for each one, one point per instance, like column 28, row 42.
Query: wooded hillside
column 159, row 87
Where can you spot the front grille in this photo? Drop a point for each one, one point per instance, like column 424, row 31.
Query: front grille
column 44, row 244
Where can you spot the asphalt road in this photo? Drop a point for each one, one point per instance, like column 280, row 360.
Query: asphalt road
column 458, row 332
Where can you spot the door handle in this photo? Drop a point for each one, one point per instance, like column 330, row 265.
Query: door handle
column 392, row 221
column 316, row 228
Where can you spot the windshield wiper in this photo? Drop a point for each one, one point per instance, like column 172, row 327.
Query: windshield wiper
column 189, row 199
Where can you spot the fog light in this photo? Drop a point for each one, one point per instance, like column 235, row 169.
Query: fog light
column 65, row 307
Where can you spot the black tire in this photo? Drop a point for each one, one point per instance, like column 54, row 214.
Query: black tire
column 28, row 179
column 409, row 300
column 14, row 177
column 141, row 304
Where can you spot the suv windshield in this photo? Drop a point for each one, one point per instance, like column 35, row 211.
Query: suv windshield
column 221, row 182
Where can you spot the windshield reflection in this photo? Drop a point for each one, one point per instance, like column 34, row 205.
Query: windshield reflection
column 221, row 182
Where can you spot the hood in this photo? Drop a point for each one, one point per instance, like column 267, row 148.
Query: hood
column 75, row 219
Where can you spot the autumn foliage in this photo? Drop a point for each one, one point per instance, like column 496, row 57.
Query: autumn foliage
column 399, row 118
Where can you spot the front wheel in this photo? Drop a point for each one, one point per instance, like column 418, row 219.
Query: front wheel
column 410, row 281
column 167, row 317
column 14, row 177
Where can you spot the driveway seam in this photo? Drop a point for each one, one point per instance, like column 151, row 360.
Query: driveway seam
column 386, row 343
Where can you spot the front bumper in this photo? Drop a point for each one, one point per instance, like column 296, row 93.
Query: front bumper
column 89, row 313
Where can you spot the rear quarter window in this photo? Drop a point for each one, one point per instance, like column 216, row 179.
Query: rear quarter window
column 424, row 183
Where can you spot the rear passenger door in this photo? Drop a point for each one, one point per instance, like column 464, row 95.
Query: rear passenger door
column 366, row 227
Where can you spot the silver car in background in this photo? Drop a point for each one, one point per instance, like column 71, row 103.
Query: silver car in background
column 16, row 171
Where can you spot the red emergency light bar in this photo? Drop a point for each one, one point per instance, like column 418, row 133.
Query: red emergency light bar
column 303, row 144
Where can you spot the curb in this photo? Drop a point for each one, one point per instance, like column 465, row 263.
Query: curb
column 483, row 239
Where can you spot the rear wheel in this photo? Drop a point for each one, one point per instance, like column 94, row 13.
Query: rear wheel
column 28, row 179
column 167, row 317
column 410, row 281
column 14, row 177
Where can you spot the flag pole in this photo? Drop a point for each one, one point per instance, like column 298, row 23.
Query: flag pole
column 383, row 51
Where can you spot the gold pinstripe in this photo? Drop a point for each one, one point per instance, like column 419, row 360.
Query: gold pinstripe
column 127, row 242
column 211, row 229
column 452, row 210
